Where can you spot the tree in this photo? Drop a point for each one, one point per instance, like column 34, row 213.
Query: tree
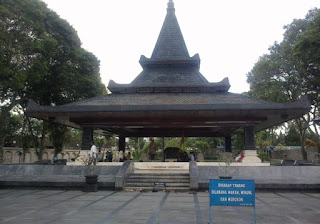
column 282, row 76
column 13, row 129
column 307, row 50
column 58, row 137
column 292, row 138
column 133, row 143
column 41, row 58
column 173, row 142
column 100, row 141
column 73, row 138
column 32, row 134
column 238, row 142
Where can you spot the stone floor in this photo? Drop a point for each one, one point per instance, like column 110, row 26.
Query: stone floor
column 54, row 206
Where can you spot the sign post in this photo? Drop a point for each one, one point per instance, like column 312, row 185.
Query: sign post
column 232, row 193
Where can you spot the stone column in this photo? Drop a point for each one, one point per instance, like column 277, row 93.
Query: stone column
column 87, row 138
column 250, row 153
column 249, row 138
column 163, row 156
column 122, row 143
column 227, row 143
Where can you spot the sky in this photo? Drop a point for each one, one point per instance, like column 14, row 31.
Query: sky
column 229, row 35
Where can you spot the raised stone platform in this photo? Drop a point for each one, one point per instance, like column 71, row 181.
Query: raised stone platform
column 114, row 176
column 78, row 163
column 55, row 176
column 251, row 156
column 222, row 164
column 267, row 178
column 156, row 167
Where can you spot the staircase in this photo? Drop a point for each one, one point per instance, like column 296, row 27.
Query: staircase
column 168, row 176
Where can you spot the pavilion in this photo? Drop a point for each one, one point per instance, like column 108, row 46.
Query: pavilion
column 171, row 98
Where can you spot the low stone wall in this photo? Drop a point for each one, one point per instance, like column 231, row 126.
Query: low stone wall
column 272, row 177
column 11, row 155
column 293, row 154
column 55, row 176
column 73, row 177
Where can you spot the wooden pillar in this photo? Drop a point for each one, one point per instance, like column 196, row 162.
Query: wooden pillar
column 163, row 143
column 250, row 153
column 122, row 143
column 163, row 156
column 87, row 138
column 227, row 143
column 249, row 138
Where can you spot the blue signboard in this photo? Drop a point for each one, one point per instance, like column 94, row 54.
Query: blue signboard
column 232, row 193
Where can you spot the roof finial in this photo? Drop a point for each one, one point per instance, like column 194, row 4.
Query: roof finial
column 170, row 6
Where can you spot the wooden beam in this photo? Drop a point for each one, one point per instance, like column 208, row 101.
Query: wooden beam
column 176, row 132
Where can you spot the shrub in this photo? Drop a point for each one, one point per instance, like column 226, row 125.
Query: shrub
column 310, row 144
column 263, row 155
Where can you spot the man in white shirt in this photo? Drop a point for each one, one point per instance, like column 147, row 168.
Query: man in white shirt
column 93, row 152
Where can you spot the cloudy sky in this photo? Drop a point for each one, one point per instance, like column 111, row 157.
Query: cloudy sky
column 229, row 35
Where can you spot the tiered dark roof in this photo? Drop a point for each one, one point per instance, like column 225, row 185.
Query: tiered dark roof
column 170, row 68
column 169, row 101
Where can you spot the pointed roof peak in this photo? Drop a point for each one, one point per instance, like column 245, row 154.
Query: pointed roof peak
column 170, row 68
column 170, row 6
column 170, row 47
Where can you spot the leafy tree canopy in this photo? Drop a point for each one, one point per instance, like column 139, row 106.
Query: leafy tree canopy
column 307, row 51
column 41, row 56
column 288, row 71
column 291, row 70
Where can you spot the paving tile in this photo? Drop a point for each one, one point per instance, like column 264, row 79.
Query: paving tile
column 27, row 221
column 53, row 207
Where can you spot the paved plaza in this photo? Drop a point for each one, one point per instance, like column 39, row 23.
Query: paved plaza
column 55, row 206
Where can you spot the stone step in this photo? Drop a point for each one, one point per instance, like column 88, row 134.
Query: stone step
column 161, row 167
column 145, row 180
column 151, row 188
column 161, row 174
column 168, row 185
column 162, row 180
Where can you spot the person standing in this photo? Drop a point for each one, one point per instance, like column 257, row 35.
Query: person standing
column 269, row 150
column 93, row 153
column 152, row 149
column 121, row 157
column 109, row 157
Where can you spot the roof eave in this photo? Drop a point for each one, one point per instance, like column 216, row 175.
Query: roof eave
column 150, row 63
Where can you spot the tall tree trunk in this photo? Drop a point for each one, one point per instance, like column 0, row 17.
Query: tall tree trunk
column 4, row 115
column 2, row 137
column 43, row 137
column 315, row 130
column 44, row 133
column 23, row 136
column 33, row 137
column 303, row 125
column 303, row 151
